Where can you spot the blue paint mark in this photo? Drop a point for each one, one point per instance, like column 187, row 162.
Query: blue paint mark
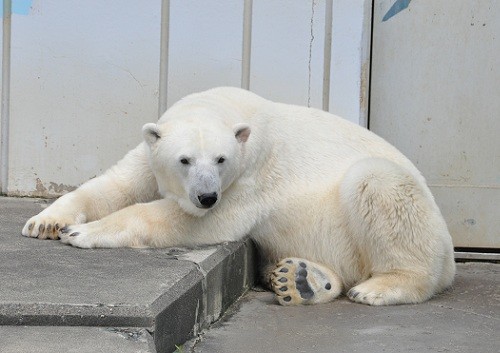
column 19, row 7
column 398, row 6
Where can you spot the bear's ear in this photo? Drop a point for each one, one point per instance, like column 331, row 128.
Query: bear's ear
column 151, row 133
column 241, row 132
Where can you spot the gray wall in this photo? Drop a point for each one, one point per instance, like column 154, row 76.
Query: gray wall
column 435, row 94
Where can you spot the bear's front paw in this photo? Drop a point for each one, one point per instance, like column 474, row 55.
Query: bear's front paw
column 45, row 227
column 104, row 233
column 78, row 236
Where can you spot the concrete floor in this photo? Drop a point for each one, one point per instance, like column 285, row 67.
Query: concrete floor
column 466, row 318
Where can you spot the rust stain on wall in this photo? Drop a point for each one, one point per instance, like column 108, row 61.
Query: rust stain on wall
column 61, row 188
column 45, row 190
column 363, row 90
column 39, row 187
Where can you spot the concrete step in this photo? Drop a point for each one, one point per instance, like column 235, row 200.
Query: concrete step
column 164, row 296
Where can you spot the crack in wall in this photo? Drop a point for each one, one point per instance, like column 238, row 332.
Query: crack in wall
column 311, row 40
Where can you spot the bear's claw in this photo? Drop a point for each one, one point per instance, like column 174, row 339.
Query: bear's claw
column 352, row 294
column 41, row 228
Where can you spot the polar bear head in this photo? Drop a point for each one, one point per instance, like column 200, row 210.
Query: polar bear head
column 195, row 159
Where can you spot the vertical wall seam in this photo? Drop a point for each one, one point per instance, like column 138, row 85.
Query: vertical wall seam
column 311, row 41
column 366, row 62
column 327, row 54
column 164, row 42
column 247, row 44
column 5, row 109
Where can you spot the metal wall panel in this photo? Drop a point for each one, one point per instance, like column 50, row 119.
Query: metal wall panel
column 435, row 95
column 349, row 81
column 280, row 28
column 83, row 81
column 205, row 45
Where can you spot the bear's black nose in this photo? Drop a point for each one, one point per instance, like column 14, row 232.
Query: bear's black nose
column 208, row 200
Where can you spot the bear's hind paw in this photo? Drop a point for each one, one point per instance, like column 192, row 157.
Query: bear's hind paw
column 389, row 289
column 298, row 281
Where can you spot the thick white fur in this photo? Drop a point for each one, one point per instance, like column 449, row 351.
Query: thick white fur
column 302, row 182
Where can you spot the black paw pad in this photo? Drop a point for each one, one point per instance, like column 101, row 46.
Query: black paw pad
column 74, row 234
column 282, row 280
column 284, row 270
column 41, row 228
column 302, row 285
column 287, row 299
column 30, row 227
column 284, row 288
column 302, row 264
column 302, row 273
column 289, row 262
column 328, row 286
column 64, row 230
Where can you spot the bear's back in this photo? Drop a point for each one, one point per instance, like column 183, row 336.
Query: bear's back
column 293, row 142
column 312, row 144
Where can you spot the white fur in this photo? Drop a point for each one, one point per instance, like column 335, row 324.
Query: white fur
column 302, row 182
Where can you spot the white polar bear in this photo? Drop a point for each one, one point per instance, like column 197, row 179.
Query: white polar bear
column 340, row 207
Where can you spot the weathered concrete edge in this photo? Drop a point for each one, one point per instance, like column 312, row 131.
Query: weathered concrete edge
column 50, row 339
column 140, row 332
column 202, row 298
column 40, row 314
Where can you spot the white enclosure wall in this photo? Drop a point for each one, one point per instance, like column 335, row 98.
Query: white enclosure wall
column 84, row 79
column 85, row 74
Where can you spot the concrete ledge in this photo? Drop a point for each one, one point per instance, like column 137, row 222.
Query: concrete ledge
column 171, row 293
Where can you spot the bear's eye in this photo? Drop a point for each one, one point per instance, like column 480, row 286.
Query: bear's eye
column 184, row 161
column 221, row 160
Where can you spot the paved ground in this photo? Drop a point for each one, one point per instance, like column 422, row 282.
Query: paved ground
column 464, row 319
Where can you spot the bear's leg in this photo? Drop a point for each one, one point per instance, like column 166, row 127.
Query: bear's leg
column 299, row 281
column 399, row 231
column 131, row 180
column 154, row 224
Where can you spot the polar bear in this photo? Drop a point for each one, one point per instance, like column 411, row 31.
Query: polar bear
column 333, row 207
